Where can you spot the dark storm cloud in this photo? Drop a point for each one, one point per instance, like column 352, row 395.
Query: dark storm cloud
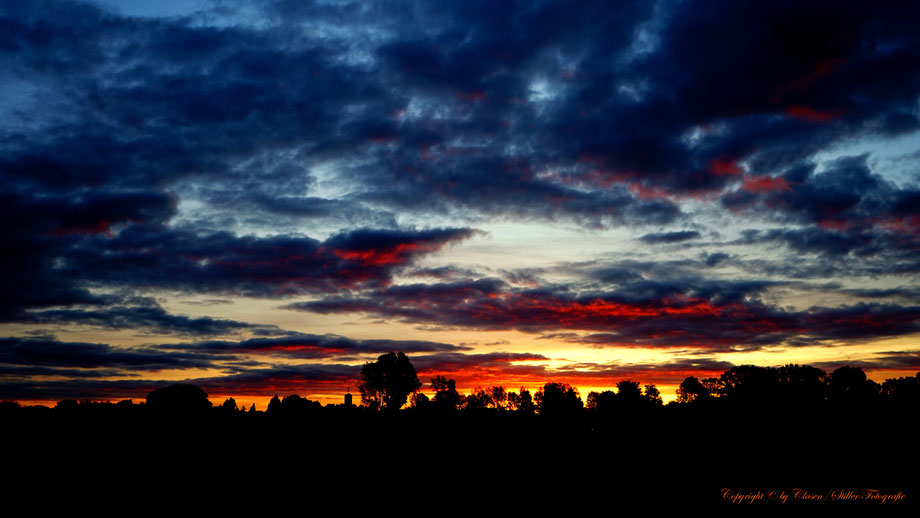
column 155, row 101
column 446, row 115
column 309, row 346
column 443, row 107
column 149, row 318
column 154, row 257
column 726, row 82
column 645, row 314
column 846, row 199
column 882, row 361
column 907, row 293
column 39, row 229
column 28, row 371
column 670, row 237
column 52, row 353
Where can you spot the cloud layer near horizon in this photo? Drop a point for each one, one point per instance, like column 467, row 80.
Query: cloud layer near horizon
column 756, row 165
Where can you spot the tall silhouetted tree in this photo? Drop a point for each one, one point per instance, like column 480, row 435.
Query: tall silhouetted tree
column 274, row 406
column 629, row 396
column 558, row 399
column 652, row 395
column 628, row 391
column 388, row 381
column 526, row 406
column 229, row 404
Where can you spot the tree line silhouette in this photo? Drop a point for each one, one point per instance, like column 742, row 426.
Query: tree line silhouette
column 391, row 383
column 793, row 425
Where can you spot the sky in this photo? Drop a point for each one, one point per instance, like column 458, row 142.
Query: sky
column 260, row 197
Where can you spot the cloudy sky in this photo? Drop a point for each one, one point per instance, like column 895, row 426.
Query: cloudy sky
column 262, row 196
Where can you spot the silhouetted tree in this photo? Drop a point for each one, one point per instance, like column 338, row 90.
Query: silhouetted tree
column 802, row 385
column 691, row 390
column 558, row 399
column 525, row 402
column 712, row 386
column 446, row 396
column 178, row 398
column 601, row 402
column 295, row 405
column 902, row 391
column 849, row 385
column 652, row 395
column 229, row 406
column 388, row 381
column 419, row 401
column 628, row 390
column 749, row 383
column 478, row 399
column 499, row 397
column 67, row 406
column 274, row 406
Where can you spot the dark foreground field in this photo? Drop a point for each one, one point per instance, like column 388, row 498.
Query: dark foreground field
column 489, row 460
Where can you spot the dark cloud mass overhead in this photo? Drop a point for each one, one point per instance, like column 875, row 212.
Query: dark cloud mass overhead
column 684, row 178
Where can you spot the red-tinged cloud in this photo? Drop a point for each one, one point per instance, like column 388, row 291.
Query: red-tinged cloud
column 719, row 321
column 765, row 184
column 271, row 266
column 811, row 115
column 98, row 227
column 724, row 167
column 309, row 346
column 384, row 248
column 844, row 208
column 295, row 379
column 398, row 254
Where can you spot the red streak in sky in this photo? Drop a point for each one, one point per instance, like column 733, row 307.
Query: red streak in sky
column 574, row 312
column 722, row 167
column 398, row 254
column 472, row 96
column 765, row 184
column 810, row 115
column 903, row 225
column 99, row 227
column 822, row 68
column 834, row 224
